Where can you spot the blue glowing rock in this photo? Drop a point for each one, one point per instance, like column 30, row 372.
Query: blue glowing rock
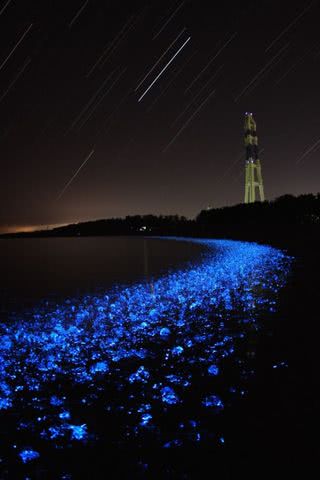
column 213, row 370
column 145, row 407
column 100, row 367
column 141, row 375
column 154, row 314
column 5, row 403
column 56, row 401
column 178, row 380
column 145, row 419
column 165, row 332
column 174, row 379
column 78, row 432
column 213, row 401
column 169, row 396
column 56, row 432
column 28, row 455
column 173, row 443
column 82, row 315
column 64, row 415
column 5, row 343
column 176, row 351
column 194, row 305
column 283, row 364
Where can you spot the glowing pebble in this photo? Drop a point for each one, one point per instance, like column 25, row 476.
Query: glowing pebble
column 28, row 455
column 213, row 370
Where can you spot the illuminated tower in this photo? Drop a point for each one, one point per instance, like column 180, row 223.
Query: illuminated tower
column 253, row 178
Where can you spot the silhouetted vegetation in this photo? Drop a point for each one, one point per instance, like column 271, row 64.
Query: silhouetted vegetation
column 287, row 209
column 130, row 225
column 288, row 218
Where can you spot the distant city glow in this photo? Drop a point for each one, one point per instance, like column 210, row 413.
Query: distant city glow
column 28, row 228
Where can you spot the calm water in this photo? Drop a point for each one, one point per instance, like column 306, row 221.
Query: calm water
column 51, row 269
column 141, row 354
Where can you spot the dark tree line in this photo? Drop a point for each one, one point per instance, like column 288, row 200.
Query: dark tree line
column 277, row 221
column 288, row 209
column 287, row 220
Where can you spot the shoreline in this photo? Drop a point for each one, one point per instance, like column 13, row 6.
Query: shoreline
column 217, row 284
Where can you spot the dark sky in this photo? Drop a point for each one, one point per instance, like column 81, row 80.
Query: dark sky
column 68, row 77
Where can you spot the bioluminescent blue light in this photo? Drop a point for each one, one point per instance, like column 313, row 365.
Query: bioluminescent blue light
column 145, row 419
column 139, row 350
column 78, row 432
column 141, row 375
column 173, row 443
column 283, row 364
column 213, row 401
column 177, row 350
column 169, row 395
column 164, row 332
column 56, row 401
column 101, row 367
column 28, row 454
column 64, row 415
column 213, row 370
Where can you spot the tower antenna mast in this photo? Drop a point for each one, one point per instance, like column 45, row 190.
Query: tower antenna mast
column 253, row 177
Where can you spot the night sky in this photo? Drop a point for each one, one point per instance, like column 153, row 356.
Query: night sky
column 79, row 141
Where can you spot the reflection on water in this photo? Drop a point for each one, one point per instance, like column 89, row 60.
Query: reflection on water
column 50, row 269
column 154, row 365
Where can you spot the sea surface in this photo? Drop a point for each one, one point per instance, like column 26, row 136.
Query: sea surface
column 51, row 269
column 122, row 355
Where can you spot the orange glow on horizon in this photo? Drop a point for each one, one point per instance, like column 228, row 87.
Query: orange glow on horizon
column 27, row 228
